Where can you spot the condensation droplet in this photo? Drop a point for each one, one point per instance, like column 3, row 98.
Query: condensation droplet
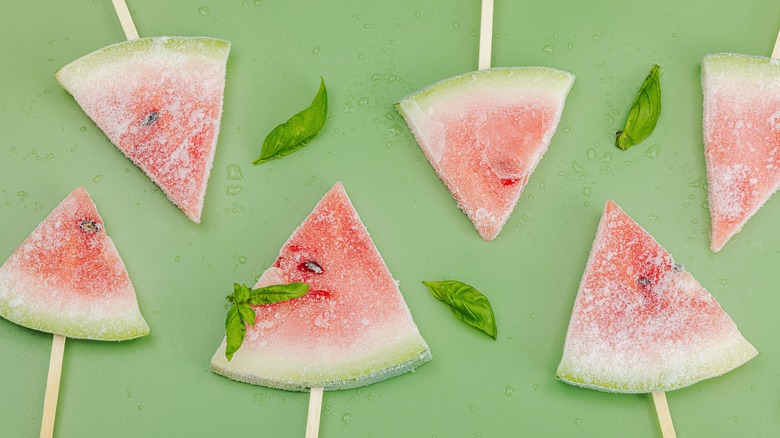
column 653, row 151
column 204, row 11
column 346, row 418
column 315, row 50
column 234, row 172
column 509, row 391
column 233, row 190
column 97, row 179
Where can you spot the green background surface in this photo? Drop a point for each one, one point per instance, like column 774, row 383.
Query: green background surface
column 371, row 54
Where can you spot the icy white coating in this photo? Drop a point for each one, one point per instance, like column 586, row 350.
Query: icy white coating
column 741, row 138
column 353, row 327
column 640, row 323
column 485, row 132
column 159, row 100
column 67, row 278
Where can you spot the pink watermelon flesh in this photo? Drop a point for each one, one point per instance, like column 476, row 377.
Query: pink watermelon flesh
column 159, row 100
column 640, row 322
column 351, row 329
column 67, row 278
column 485, row 132
column 741, row 137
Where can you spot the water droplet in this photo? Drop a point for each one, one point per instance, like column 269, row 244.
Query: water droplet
column 586, row 191
column 674, row 34
column 22, row 196
column 455, row 25
column 328, row 409
column 549, row 49
column 695, row 183
column 204, row 10
column 83, row 129
column 233, row 190
column 607, row 157
column 234, row 172
column 242, row 260
column 177, row 258
column 362, row 102
column 52, row 41
column 536, row 387
column 316, row 50
column 591, row 154
column 577, row 167
column 653, row 151
column 128, row 393
column 310, row 181
column 368, row 26
column 258, row 2
column 140, row 407
column 97, row 179
column 654, row 218
column 735, row 419
column 567, row 129
column 346, row 418
column 542, row 185
column 577, row 421
column 509, row 391
column 721, row 282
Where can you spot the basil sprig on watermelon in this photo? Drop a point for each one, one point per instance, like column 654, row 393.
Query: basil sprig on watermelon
column 241, row 313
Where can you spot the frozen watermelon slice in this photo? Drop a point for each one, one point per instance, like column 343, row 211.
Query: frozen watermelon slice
column 351, row 329
column 485, row 132
column 67, row 278
column 159, row 100
column 641, row 323
column 741, row 138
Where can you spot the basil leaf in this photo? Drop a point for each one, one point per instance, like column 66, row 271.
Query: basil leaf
column 467, row 303
column 247, row 314
column 643, row 114
column 235, row 331
column 277, row 293
column 298, row 131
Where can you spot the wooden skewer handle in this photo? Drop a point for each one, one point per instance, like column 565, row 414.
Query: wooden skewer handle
column 664, row 417
column 776, row 51
column 485, row 34
column 315, row 409
column 52, row 386
column 125, row 19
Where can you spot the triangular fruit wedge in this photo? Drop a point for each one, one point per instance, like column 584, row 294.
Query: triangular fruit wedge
column 67, row 278
column 641, row 323
column 741, row 138
column 159, row 100
column 485, row 132
column 351, row 329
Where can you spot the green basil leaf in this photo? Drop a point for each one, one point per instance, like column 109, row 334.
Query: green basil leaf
column 467, row 303
column 277, row 293
column 240, row 293
column 247, row 314
column 644, row 112
column 298, row 131
column 235, row 331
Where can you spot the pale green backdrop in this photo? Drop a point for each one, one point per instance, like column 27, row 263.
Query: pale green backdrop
column 370, row 54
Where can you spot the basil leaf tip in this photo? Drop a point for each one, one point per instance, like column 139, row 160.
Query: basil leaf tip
column 468, row 304
column 296, row 132
column 644, row 112
column 242, row 314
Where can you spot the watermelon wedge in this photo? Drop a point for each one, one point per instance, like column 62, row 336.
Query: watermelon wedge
column 67, row 278
column 741, row 138
column 485, row 132
column 641, row 323
column 159, row 100
column 351, row 329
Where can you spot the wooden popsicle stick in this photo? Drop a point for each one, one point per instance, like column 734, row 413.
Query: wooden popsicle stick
column 485, row 34
column 664, row 417
column 52, row 386
column 125, row 19
column 315, row 409
column 776, row 51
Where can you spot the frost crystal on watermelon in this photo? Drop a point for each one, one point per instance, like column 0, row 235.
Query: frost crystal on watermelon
column 485, row 132
column 351, row 329
column 159, row 100
column 640, row 322
column 741, row 138
column 67, row 278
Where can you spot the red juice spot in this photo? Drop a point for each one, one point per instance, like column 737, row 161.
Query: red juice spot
column 509, row 181
column 320, row 293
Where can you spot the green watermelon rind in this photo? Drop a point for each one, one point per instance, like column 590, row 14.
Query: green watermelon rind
column 737, row 354
column 117, row 331
column 406, row 358
column 532, row 78
column 739, row 64
column 116, row 328
column 216, row 48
